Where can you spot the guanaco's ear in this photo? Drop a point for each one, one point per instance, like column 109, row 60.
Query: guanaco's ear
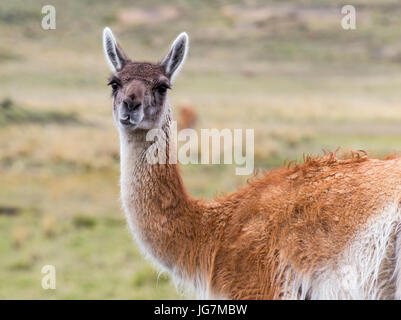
column 175, row 58
column 114, row 54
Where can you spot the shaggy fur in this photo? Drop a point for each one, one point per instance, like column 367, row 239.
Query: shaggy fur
column 324, row 229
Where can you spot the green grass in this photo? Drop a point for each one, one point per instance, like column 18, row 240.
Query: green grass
column 302, row 83
column 86, row 259
column 11, row 114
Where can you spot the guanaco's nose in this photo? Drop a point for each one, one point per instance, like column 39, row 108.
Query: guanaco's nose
column 131, row 104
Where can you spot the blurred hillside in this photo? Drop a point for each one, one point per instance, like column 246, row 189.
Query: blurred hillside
column 284, row 68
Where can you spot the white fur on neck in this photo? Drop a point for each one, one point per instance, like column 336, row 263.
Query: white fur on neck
column 132, row 153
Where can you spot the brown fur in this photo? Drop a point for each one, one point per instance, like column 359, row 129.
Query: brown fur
column 144, row 71
column 302, row 216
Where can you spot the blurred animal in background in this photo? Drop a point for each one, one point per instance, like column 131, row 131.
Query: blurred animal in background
column 187, row 116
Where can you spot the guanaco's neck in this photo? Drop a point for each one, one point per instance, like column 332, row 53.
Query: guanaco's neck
column 165, row 220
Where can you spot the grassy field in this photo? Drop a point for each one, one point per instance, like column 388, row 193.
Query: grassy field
column 286, row 69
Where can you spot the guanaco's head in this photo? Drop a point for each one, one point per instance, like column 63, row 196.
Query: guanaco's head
column 139, row 89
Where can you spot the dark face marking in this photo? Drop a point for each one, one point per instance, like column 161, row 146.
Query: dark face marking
column 139, row 92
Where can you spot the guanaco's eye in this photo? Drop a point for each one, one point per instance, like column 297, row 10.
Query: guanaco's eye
column 162, row 89
column 114, row 85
